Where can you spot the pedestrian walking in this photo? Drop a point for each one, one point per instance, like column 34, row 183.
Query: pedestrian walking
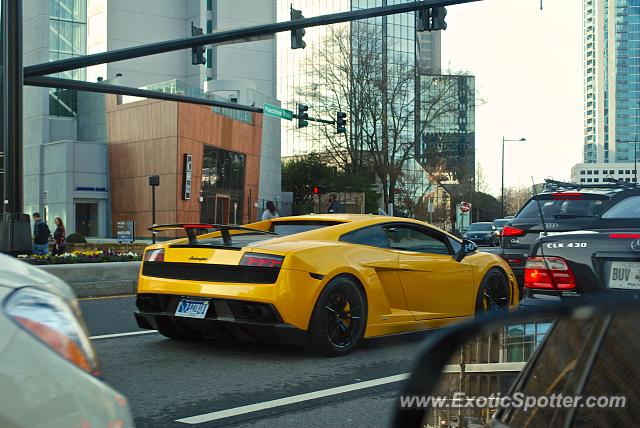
column 59, row 235
column 41, row 235
column 335, row 206
column 271, row 212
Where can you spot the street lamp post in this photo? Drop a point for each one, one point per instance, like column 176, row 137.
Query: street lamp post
column 154, row 181
column 502, row 187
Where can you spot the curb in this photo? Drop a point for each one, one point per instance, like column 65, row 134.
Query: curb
column 98, row 279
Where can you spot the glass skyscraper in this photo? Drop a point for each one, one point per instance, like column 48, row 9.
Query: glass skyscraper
column 611, row 40
column 611, row 88
column 398, row 52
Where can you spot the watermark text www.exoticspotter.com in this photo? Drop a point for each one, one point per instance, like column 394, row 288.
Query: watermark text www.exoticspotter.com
column 518, row 400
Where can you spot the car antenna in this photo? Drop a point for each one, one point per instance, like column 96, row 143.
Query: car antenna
column 544, row 229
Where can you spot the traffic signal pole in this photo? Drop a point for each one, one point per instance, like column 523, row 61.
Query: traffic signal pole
column 246, row 34
column 15, row 228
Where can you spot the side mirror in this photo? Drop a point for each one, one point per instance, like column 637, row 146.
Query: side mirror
column 468, row 247
column 501, row 369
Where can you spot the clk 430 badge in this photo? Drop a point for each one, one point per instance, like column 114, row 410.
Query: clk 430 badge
column 567, row 245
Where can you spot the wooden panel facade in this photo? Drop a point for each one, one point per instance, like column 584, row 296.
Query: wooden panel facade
column 150, row 137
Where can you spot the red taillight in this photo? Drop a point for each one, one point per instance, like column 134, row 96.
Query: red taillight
column 512, row 231
column 154, row 255
column 567, row 196
column 261, row 260
column 624, row 235
column 549, row 273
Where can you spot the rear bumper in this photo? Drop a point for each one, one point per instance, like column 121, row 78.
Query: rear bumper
column 218, row 328
column 226, row 318
column 516, row 259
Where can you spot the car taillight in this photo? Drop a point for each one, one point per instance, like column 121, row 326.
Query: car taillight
column 512, row 231
column 261, row 260
column 51, row 320
column 154, row 255
column 567, row 196
column 624, row 235
column 549, row 273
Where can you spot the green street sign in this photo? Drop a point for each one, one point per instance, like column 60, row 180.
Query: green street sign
column 275, row 111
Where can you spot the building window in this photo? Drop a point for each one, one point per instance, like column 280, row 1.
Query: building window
column 582, row 180
column 209, row 26
column 582, row 172
column 67, row 39
column 596, row 180
column 209, row 58
column 589, row 180
column 222, row 186
column 209, row 5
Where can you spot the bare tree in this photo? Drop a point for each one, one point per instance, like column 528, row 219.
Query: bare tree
column 360, row 75
column 515, row 198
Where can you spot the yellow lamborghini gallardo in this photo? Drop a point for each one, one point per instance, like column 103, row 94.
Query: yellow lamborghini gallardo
column 325, row 281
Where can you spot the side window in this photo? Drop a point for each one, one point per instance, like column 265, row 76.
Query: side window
column 410, row 239
column 373, row 236
column 627, row 208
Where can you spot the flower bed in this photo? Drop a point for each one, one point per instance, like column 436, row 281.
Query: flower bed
column 81, row 257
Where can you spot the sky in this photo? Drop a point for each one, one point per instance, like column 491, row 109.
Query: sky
column 527, row 64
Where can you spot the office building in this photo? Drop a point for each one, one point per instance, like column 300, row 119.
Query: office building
column 611, row 78
column 67, row 137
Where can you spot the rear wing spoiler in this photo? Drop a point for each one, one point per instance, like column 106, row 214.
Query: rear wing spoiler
column 192, row 230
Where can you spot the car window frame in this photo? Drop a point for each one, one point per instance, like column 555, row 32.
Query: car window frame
column 445, row 238
column 439, row 236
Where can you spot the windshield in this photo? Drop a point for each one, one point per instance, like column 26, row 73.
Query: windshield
column 500, row 223
column 558, row 209
column 242, row 238
column 480, row 227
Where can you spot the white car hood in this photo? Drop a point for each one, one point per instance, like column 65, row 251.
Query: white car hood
column 15, row 274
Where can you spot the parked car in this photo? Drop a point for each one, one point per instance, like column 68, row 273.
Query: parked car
column 499, row 223
column 48, row 367
column 565, row 207
column 483, row 233
column 325, row 281
column 603, row 258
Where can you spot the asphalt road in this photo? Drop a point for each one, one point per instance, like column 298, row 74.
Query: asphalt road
column 167, row 380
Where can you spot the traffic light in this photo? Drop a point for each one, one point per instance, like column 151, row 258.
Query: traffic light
column 303, row 115
column 297, row 35
column 341, row 123
column 437, row 18
column 316, row 190
column 197, row 52
column 431, row 19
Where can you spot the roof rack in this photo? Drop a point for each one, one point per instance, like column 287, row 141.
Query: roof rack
column 555, row 185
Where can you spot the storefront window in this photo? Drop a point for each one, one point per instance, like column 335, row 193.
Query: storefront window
column 222, row 186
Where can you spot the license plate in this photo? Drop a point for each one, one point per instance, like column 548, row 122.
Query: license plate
column 192, row 308
column 625, row 275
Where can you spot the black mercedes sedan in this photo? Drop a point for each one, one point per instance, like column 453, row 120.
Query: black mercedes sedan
column 604, row 257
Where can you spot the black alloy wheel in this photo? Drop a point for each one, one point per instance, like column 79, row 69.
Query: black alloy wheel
column 494, row 292
column 339, row 317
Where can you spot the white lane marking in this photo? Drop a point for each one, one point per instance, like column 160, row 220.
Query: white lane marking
column 131, row 333
column 235, row 411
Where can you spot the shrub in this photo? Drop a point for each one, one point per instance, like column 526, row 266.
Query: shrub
column 76, row 238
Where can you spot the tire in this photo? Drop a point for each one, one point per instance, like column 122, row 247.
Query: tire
column 177, row 331
column 494, row 293
column 339, row 318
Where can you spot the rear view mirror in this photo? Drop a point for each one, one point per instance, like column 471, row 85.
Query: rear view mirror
column 558, row 366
